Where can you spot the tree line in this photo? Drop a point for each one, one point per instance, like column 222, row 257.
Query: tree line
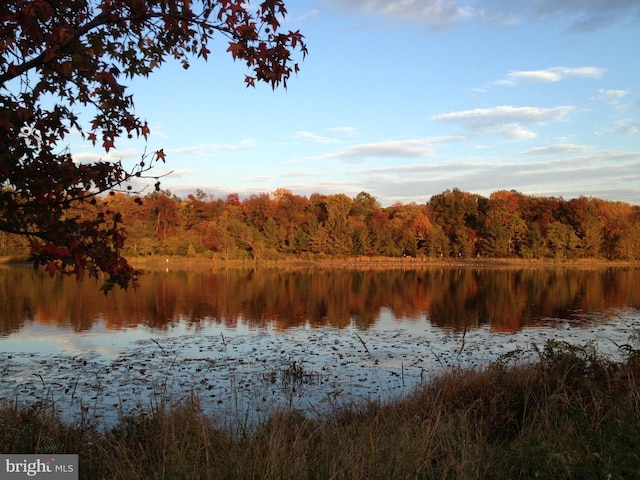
column 452, row 224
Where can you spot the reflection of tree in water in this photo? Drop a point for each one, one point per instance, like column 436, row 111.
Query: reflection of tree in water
column 454, row 297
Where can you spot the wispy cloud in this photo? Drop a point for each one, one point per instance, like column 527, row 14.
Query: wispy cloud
column 569, row 177
column 578, row 15
column 308, row 14
column 505, row 120
column 558, row 149
column 611, row 96
column 553, row 74
column 389, row 148
column 114, row 155
column 436, row 14
column 410, row 148
column 614, row 98
column 606, row 174
column 620, row 127
column 626, row 127
column 314, row 138
column 345, row 130
column 209, row 149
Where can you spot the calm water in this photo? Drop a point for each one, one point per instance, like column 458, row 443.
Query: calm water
column 238, row 335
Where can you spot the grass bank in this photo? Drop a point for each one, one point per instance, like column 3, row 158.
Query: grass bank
column 570, row 414
column 178, row 262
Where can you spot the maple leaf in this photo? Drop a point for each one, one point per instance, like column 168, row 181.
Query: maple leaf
column 52, row 268
column 145, row 131
column 236, row 49
column 204, row 51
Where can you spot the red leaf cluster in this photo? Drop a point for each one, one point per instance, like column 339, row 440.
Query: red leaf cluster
column 77, row 53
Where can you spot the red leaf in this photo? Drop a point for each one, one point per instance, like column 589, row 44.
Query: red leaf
column 52, row 268
column 145, row 130
column 236, row 49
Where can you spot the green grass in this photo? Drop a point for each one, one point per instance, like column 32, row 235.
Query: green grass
column 569, row 414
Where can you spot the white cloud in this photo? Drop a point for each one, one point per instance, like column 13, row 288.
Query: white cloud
column 626, row 127
column 209, row 149
column 437, row 14
column 606, row 174
column 412, row 148
column 620, row 127
column 308, row 14
column 578, row 15
column 507, row 119
column 553, row 74
column 568, row 177
column 314, row 138
column 611, row 95
column 346, row 130
column 515, row 130
column 114, row 155
column 583, row 15
column 558, row 149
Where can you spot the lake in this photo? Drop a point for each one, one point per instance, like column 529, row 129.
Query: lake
column 247, row 340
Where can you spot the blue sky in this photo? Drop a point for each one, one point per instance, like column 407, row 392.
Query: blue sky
column 404, row 99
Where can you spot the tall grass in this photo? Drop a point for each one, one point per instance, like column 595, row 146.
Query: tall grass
column 570, row 414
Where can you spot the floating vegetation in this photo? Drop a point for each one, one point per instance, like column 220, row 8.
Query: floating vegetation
column 568, row 412
column 310, row 369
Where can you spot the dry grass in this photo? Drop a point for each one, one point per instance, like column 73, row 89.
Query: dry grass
column 568, row 415
column 160, row 262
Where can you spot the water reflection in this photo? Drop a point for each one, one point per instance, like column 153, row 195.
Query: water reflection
column 505, row 298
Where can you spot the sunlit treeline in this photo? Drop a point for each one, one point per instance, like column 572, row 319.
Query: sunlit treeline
column 505, row 298
column 454, row 223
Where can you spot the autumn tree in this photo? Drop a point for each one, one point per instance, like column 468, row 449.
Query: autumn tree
column 363, row 208
column 562, row 240
column 318, row 235
column 258, row 209
column 135, row 220
column 582, row 214
column 60, row 59
column 504, row 231
column 338, row 226
column 456, row 212
column 289, row 214
column 401, row 222
column 422, row 229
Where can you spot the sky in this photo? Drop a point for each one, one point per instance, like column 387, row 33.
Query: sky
column 404, row 99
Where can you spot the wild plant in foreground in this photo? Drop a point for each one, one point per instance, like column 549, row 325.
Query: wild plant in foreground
column 569, row 414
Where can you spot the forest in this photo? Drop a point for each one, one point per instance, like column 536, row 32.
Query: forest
column 452, row 224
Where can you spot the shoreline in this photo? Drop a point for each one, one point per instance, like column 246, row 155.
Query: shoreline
column 369, row 262
column 163, row 261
